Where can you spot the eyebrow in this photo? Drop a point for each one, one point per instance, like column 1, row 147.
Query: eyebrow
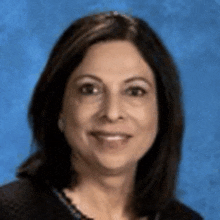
column 126, row 81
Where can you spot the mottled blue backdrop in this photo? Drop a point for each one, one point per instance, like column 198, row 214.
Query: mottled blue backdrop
column 190, row 30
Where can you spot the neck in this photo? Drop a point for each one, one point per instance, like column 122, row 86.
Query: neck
column 102, row 195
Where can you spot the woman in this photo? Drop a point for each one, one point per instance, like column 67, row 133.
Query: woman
column 107, row 124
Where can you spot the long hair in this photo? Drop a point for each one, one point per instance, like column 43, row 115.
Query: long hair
column 157, row 170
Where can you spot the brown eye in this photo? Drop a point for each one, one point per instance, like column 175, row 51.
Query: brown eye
column 88, row 89
column 136, row 91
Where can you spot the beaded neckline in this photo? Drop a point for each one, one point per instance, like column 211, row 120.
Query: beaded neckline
column 76, row 213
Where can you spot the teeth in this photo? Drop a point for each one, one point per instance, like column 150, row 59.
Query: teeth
column 112, row 138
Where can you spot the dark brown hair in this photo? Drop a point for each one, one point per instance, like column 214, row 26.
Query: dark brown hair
column 157, row 170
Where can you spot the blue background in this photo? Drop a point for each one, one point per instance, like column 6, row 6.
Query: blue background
column 189, row 29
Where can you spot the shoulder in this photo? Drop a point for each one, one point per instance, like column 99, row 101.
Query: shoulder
column 21, row 200
column 177, row 210
column 16, row 189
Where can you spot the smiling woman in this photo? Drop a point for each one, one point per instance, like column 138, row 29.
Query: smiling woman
column 102, row 124
column 107, row 125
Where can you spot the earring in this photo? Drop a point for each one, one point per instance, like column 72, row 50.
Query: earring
column 61, row 124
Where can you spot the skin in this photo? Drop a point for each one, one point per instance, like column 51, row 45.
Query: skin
column 121, row 96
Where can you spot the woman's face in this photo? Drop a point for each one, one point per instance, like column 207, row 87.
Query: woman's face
column 110, row 108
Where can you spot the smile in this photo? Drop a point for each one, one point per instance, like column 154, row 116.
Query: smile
column 112, row 140
column 111, row 136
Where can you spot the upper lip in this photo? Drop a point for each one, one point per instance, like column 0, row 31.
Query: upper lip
column 107, row 133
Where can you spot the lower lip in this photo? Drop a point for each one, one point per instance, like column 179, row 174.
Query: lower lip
column 111, row 144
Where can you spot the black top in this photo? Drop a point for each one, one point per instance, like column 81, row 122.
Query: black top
column 21, row 200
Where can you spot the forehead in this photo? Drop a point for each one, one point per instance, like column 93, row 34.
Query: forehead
column 114, row 59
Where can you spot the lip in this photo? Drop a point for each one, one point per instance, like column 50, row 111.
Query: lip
column 107, row 133
column 112, row 140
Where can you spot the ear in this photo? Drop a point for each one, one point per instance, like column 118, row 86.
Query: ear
column 61, row 122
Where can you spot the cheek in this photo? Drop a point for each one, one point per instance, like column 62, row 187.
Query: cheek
column 149, row 126
column 78, row 115
column 76, row 125
column 146, row 116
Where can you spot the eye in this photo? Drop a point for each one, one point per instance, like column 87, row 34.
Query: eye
column 88, row 89
column 136, row 91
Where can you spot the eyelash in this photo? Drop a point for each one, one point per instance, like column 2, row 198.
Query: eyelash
column 137, row 88
column 91, row 86
column 88, row 85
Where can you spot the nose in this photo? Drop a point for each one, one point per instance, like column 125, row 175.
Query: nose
column 112, row 108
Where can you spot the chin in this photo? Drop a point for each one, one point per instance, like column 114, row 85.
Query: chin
column 115, row 166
